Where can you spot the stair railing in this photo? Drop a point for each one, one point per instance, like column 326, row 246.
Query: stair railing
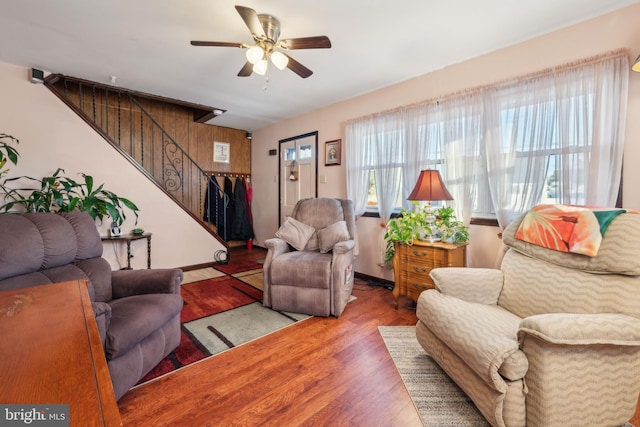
column 131, row 129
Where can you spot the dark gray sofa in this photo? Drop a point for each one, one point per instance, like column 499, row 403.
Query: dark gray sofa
column 137, row 311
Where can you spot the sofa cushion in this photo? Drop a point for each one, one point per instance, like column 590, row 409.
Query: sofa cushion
column 484, row 336
column 613, row 256
column 302, row 269
column 59, row 249
column 99, row 273
column 21, row 248
column 134, row 318
column 87, row 235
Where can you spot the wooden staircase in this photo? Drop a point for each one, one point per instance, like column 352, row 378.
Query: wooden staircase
column 165, row 139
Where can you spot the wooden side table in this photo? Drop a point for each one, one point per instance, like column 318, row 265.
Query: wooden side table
column 52, row 353
column 413, row 263
column 128, row 238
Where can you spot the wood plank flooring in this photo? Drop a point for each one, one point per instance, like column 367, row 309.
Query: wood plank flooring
column 320, row 372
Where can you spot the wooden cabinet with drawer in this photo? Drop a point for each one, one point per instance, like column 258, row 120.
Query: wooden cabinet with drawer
column 413, row 263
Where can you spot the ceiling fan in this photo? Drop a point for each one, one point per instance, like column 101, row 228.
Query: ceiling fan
column 265, row 30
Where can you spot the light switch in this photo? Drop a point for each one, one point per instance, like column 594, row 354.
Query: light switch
column 323, row 179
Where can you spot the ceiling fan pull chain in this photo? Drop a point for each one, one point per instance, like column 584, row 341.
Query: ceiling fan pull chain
column 266, row 82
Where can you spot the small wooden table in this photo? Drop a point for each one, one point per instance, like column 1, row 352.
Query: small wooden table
column 413, row 263
column 128, row 238
column 51, row 353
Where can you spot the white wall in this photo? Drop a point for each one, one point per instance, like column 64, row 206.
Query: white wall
column 52, row 136
column 608, row 32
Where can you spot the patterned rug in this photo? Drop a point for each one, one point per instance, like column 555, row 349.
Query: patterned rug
column 220, row 313
column 439, row 401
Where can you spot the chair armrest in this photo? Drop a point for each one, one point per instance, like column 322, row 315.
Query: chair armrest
column 480, row 285
column 343, row 247
column 277, row 246
column 582, row 329
column 102, row 313
column 137, row 282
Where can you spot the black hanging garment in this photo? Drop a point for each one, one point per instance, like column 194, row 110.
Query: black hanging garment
column 230, row 209
column 213, row 201
column 242, row 228
column 215, row 208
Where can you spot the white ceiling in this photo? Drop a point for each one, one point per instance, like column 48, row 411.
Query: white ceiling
column 376, row 43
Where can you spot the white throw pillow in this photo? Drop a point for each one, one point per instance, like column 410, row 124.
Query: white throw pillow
column 329, row 236
column 295, row 233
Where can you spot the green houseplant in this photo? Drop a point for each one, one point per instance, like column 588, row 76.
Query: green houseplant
column 410, row 226
column 405, row 228
column 58, row 193
column 7, row 152
column 449, row 227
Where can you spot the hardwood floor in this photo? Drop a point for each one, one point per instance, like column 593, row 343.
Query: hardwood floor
column 321, row 372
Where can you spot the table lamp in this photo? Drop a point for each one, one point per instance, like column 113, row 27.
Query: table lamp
column 430, row 188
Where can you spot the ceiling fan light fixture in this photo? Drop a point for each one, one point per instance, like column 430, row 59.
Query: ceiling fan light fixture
column 260, row 67
column 255, row 54
column 280, row 60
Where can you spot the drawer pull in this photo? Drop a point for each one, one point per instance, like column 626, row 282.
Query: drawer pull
column 420, row 269
column 416, row 253
column 419, row 287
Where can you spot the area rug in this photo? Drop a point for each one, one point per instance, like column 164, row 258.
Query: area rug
column 439, row 401
column 221, row 313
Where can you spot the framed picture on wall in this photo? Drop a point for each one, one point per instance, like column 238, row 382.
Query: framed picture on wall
column 221, row 152
column 332, row 152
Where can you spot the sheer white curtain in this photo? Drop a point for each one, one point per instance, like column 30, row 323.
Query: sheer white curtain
column 463, row 170
column 591, row 105
column 569, row 121
column 503, row 147
column 381, row 142
column 357, row 159
column 518, row 130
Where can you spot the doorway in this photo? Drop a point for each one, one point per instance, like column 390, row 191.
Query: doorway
column 298, row 171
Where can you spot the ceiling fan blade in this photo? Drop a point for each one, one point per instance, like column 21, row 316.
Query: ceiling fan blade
column 246, row 70
column 250, row 18
column 223, row 44
column 298, row 68
column 317, row 42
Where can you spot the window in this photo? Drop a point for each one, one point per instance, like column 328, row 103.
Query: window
column 555, row 137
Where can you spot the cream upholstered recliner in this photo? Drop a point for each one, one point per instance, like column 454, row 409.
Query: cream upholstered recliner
column 309, row 265
column 550, row 339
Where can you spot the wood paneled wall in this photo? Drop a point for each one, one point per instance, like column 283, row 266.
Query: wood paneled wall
column 124, row 123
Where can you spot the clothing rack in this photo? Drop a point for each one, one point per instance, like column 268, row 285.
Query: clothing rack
column 229, row 174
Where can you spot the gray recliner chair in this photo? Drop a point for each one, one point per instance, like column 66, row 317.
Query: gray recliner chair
column 137, row 311
column 309, row 265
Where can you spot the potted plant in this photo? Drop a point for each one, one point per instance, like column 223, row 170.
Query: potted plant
column 7, row 152
column 58, row 193
column 405, row 228
column 410, row 226
column 450, row 228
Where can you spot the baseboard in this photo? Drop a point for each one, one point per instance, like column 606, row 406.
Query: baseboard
column 199, row 266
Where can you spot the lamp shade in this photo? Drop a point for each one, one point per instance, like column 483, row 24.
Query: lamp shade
column 260, row 67
column 280, row 60
column 430, row 187
column 255, row 54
